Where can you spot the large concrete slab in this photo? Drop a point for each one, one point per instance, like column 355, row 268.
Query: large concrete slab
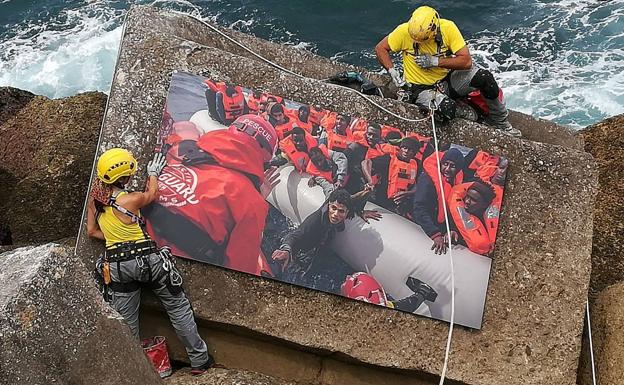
column 55, row 327
column 605, row 141
column 534, row 311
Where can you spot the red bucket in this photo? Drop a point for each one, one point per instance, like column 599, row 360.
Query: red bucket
column 156, row 350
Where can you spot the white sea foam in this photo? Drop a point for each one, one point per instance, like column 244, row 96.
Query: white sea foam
column 565, row 63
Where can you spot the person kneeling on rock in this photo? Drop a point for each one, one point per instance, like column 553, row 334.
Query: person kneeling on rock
column 131, row 259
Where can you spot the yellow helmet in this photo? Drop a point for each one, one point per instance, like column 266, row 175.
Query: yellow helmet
column 114, row 164
column 423, row 24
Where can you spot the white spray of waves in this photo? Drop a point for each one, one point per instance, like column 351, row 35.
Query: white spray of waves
column 565, row 64
column 73, row 52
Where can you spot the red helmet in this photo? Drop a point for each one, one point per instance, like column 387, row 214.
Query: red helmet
column 259, row 129
column 364, row 287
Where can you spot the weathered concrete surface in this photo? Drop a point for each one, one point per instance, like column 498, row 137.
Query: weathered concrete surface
column 533, row 316
column 237, row 348
column 46, row 151
column 56, row 329
column 225, row 377
column 313, row 66
column 607, row 319
column 605, row 141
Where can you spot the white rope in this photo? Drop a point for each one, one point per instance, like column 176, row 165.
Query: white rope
column 432, row 108
column 591, row 345
column 291, row 72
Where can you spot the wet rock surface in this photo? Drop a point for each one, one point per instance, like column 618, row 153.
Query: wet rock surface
column 605, row 141
column 56, row 329
column 534, row 310
column 46, row 152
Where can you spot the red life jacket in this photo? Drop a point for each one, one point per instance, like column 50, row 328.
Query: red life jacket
column 234, row 105
column 253, row 104
column 299, row 159
column 337, row 142
column 478, row 233
column 385, row 130
column 315, row 171
column 431, row 168
column 401, row 175
column 328, row 121
column 316, row 116
column 360, row 125
column 483, row 158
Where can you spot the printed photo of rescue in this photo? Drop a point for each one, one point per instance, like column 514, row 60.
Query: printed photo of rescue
column 328, row 201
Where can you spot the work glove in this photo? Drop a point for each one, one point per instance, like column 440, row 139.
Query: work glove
column 426, row 61
column 396, row 77
column 156, row 165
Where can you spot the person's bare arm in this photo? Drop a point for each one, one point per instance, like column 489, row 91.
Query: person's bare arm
column 137, row 200
column 367, row 167
column 93, row 229
column 460, row 61
column 382, row 50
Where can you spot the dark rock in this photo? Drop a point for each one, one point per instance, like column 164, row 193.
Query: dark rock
column 534, row 310
column 11, row 101
column 46, row 152
column 55, row 327
column 605, row 141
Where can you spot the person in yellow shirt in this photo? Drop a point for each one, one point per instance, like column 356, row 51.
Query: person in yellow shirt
column 131, row 260
column 435, row 55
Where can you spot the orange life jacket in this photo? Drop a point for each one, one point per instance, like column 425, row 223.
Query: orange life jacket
column 401, row 175
column 234, row 105
column 385, row 130
column 299, row 159
column 315, row 171
column 328, row 121
column 478, row 233
column 371, row 153
column 253, row 104
column 316, row 116
column 337, row 142
column 482, row 159
column 359, row 125
column 431, row 168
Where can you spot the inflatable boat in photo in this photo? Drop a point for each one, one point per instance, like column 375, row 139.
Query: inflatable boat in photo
column 393, row 249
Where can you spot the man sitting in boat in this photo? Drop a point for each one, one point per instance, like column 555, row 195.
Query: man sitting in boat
column 428, row 207
column 392, row 176
column 294, row 149
column 337, row 135
column 366, row 146
column 328, row 169
column 474, row 217
column 305, row 246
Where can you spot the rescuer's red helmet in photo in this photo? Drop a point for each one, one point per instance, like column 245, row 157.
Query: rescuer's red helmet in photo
column 255, row 129
column 364, row 287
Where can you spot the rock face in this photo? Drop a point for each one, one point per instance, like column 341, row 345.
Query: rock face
column 605, row 141
column 56, row 329
column 607, row 319
column 534, row 310
column 46, row 150
column 11, row 101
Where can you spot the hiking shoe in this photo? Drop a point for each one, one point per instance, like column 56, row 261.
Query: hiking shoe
column 199, row 370
column 466, row 112
column 508, row 129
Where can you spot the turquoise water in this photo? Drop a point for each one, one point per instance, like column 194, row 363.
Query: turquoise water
column 562, row 60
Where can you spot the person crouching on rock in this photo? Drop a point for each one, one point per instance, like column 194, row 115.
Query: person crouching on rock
column 131, row 259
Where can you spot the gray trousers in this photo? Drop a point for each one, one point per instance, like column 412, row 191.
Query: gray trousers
column 178, row 307
column 459, row 81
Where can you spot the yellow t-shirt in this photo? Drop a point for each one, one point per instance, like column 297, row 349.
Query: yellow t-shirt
column 400, row 40
column 115, row 231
